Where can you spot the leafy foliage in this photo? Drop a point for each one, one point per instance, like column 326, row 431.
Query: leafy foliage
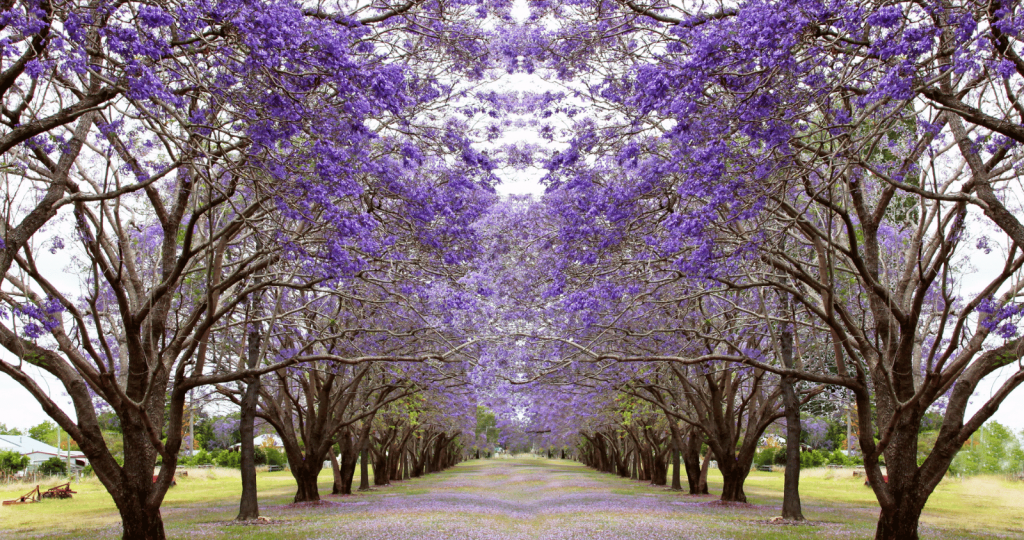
column 12, row 462
column 54, row 466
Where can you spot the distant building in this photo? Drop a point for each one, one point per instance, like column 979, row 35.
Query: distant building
column 39, row 452
column 263, row 441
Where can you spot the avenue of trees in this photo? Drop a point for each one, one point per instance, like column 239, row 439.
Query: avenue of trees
column 756, row 214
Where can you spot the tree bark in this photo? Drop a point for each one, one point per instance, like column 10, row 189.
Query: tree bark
column 702, row 485
column 691, row 461
column 899, row 522
column 791, row 488
column 348, row 472
column 659, row 469
column 381, row 474
column 338, row 487
column 364, row 468
column 248, row 504
column 676, row 484
column 733, row 478
column 137, row 521
column 306, row 481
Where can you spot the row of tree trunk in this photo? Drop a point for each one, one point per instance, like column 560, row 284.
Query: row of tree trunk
column 396, row 454
column 642, row 454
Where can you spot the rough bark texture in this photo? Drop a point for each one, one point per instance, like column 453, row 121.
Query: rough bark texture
column 702, row 484
column 791, row 488
column 364, row 470
column 676, row 484
column 337, row 486
column 248, row 505
column 900, row 522
column 733, row 477
column 691, row 461
column 137, row 521
column 305, row 479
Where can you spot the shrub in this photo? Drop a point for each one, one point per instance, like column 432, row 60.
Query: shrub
column 229, row 459
column 812, row 458
column 12, row 462
column 837, row 457
column 780, row 456
column 53, row 467
column 202, row 458
column 276, row 457
column 764, row 457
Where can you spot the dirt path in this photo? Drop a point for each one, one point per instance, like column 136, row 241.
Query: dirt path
column 539, row 499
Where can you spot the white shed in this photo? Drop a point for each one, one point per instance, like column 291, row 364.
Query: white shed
column 39, row 452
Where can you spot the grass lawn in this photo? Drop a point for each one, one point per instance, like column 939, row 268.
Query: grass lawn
column 981, row 504
column 525, row 498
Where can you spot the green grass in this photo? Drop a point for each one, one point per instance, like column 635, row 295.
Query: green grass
column 523, row 499
column 978, row 505
column 215, row 492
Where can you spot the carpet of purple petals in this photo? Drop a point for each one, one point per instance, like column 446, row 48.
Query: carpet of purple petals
column 519, row 499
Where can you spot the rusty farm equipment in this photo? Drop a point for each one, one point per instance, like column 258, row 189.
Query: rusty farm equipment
column 62, row 491
column 30, row 497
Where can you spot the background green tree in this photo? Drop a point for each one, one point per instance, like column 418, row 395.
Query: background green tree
column 53, row 467
column 12, row 462
column 4, row 430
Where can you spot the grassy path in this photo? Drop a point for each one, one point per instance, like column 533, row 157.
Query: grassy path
column 512, row 499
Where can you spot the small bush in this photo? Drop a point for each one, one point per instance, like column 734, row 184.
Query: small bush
column 812, row 458
column 53, row 467
column 780, row 456
column 12, row 462
column 764, row 457
column 276, row 457
column 229, row 459
column 202, row 458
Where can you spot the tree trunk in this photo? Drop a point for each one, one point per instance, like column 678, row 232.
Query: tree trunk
column 659, row 469
column 306, row 480
column 248, row 506
column 348, row 472
column 138, row 522
column 134, row 484
column 691, row 461
column 676, row 484
column 702, row 485
column 733, row 476
column 338, row 487
column 900, row 521
column 791, row 487
column 644, row 473
column 381, row 475
column 364, row 469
